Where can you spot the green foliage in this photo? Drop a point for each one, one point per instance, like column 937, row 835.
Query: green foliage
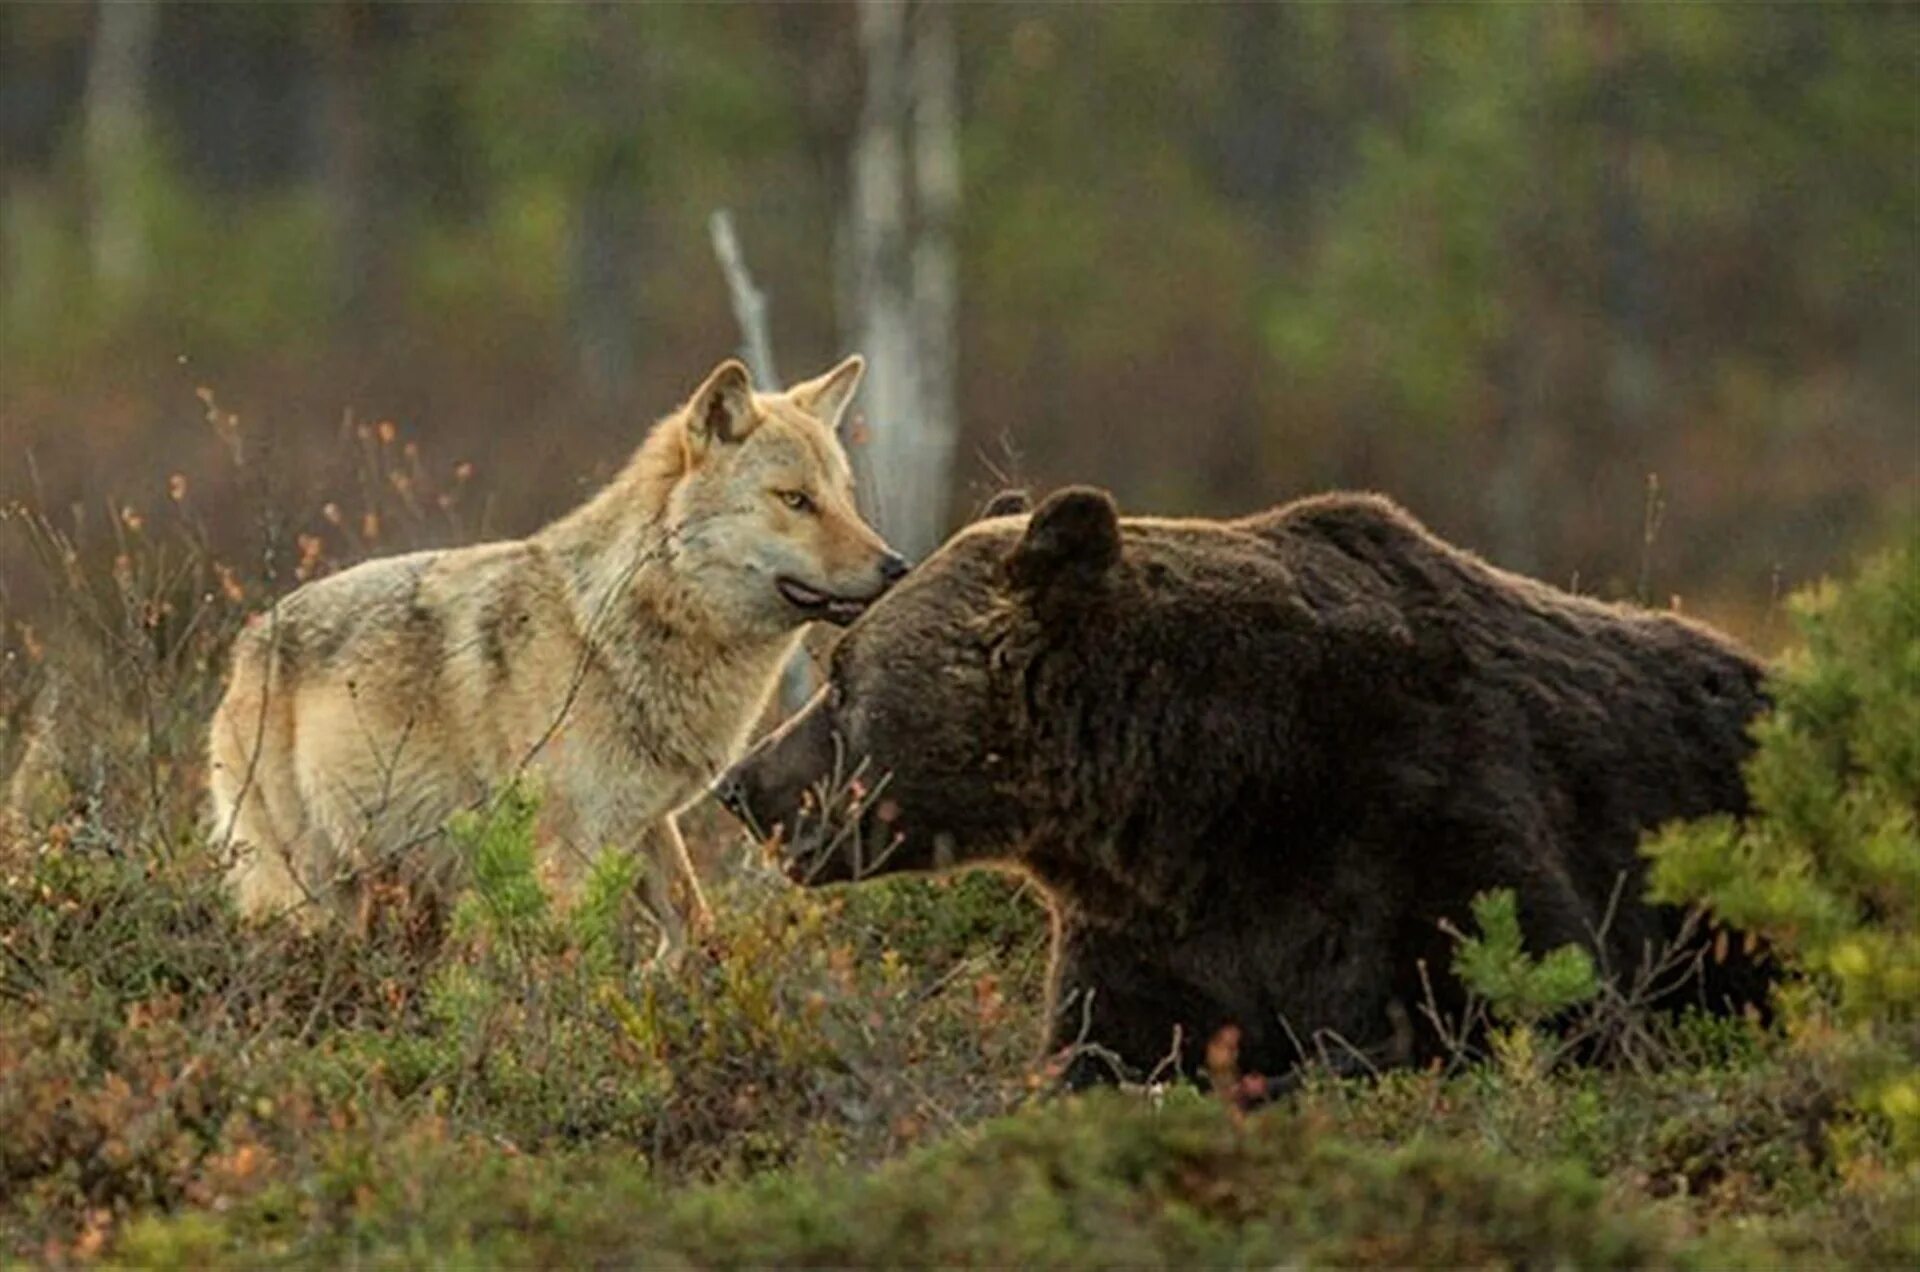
column 216, row 281
column 1672, row 238
column 1105, row 1180
column 936, row 922
column 1827, row 866
column 496, row 843
column 1519, row 989
column 607, row 915
column 1435, row 196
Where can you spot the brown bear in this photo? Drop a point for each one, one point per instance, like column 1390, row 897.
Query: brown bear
column 1255, row 765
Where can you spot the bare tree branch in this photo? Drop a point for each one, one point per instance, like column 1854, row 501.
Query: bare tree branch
column 749, row 302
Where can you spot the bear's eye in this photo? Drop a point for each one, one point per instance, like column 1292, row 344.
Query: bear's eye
column 798, row 500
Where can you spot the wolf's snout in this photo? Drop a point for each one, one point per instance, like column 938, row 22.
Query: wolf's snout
column 813, row 602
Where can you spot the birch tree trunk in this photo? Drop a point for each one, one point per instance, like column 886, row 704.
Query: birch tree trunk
column 902, row 280
column 936, row 293
column 114, row 143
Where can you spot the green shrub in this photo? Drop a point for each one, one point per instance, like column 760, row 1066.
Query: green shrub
column 941, row 921
column 1519, row 989
column 496, row 845
column 1827, row 865
column 1110, row 1179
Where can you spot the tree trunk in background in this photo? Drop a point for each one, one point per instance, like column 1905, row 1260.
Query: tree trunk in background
column 1522, row 371
column 349, row 176
column 936, row 282
column 1622, row 448
column 604, row 309
column 605, row 288
column 902, row 279
column 879, row 279
column 115, row 143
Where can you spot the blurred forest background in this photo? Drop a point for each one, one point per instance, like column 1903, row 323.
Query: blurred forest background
column 1622, row 295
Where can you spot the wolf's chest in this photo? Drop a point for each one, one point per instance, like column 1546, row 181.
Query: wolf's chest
column 695, row 725
column 660, row 741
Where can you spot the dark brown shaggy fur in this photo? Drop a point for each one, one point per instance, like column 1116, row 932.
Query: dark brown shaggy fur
column 1256, row 763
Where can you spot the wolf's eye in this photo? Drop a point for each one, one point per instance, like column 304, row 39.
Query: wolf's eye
column 798, row 500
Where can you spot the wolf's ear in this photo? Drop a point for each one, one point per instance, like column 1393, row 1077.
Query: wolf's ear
column 720, row 412
column 826, row 396
column 1008, row 503
column 1073, row 538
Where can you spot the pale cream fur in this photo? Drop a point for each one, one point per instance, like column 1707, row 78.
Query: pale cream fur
column 617, row 658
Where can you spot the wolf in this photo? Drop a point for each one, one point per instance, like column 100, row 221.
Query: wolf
column 616, row 659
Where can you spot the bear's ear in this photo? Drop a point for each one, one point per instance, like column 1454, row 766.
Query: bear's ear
column 1008, row 503
column 721, row 410
column 1074, row 536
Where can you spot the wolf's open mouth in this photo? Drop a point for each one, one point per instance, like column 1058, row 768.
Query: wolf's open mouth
column 814, row 603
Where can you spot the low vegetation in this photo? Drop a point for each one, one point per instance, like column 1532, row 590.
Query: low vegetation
column 850, row 1077
column 1829, row 867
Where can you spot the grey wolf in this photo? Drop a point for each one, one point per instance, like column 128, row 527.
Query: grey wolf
column 617, row 658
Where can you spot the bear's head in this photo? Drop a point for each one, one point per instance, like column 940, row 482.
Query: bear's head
column 953, row 726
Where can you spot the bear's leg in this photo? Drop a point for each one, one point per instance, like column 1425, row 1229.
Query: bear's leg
column 1115, row 1016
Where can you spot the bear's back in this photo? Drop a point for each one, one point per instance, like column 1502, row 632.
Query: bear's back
column 1500, row 624
column 1563, row 725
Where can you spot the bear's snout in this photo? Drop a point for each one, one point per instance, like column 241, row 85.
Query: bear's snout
column 730, row 792
column 795, row 791
column 742, row 792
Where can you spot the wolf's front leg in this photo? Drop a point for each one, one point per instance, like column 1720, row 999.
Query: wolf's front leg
column 685, row 881
column 671, row 891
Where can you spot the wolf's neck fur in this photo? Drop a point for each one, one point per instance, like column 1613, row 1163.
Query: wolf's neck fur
column 620, row 556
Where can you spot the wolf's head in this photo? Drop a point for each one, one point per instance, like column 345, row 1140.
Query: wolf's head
column 762, row 509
